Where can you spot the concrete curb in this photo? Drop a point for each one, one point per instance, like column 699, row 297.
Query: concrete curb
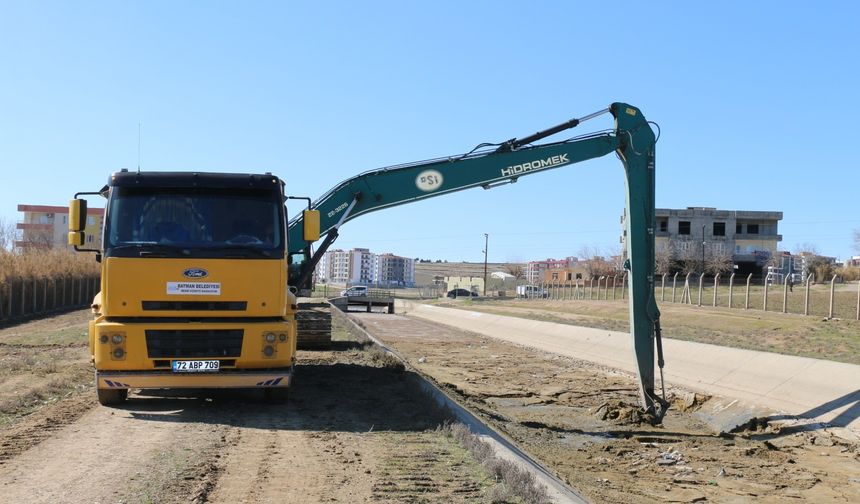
column 505, row 449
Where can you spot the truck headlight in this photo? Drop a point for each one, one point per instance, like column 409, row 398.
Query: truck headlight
column 270, row 337
column 116, row 339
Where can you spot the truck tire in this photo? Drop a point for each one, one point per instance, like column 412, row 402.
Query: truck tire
column 112, row 397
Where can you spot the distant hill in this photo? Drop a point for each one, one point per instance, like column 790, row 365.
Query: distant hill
column 424, row 272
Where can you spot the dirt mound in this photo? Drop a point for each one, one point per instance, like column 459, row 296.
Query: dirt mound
column 622, row 413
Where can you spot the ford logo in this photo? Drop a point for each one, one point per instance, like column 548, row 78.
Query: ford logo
column 195, row 273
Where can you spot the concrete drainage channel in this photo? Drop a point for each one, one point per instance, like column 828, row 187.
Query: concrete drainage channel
column 556, row 489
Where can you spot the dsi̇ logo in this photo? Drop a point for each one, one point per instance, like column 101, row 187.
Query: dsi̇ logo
column 195, row 273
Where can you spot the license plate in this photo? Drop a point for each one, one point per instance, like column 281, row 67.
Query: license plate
column 196, row 366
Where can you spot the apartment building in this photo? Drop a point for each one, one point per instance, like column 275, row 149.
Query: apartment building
column 333, row 267
column 749, row 238
column 536, row 271
column 395, row 270
column 48, row 226
column 360, row 266
column 363, row 267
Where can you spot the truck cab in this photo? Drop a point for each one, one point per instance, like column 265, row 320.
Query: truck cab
column 194, row 284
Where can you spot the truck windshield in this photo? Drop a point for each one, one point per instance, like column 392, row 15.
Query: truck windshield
column 215, row 222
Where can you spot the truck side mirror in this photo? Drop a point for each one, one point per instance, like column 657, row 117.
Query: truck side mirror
column 77, row 221
column 311, row 231
column 77, row 215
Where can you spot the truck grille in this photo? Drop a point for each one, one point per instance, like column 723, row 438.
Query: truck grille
column 172, row 344
column 195, row 305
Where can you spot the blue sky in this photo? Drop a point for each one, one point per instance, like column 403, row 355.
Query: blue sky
column 757, row 102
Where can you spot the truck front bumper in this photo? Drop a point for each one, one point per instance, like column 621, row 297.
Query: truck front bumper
column 277, row 378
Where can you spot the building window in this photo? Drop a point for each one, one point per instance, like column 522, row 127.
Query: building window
column 719, row 229
column 739, row 228
column 664, row 225
column 683, row 227
column 752, row 228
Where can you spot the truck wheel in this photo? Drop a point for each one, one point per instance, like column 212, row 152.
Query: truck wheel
column 112, row 397
column 277, row 395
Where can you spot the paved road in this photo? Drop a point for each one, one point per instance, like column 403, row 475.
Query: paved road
column 813, row 388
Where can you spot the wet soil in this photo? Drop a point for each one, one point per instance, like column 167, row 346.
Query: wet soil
column 581, row 421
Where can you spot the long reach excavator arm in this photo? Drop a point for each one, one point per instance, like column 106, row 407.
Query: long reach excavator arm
column 490, row 165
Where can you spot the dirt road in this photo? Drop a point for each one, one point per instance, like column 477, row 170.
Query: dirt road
column 354, row 430
column 580, row 420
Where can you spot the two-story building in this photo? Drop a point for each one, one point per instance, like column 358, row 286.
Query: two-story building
column 749, row 238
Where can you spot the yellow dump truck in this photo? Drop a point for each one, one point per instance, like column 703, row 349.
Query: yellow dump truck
column 194, row 283
column 197, row 267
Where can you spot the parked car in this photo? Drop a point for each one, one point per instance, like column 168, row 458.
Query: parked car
column 355, row 291
column 455, row 293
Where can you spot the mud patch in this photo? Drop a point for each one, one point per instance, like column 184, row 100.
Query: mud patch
column 622, row 413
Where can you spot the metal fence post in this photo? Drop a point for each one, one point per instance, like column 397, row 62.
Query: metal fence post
column 591, row 288
column 747, row 301
column 701, row 282
column 663, row 288
column 716, row 284
column 623, row 286
column 858, row 300
column 832, row 291
column 674, row 283
column 785, row 294
column 614, row 279
column 765, row 294
column 731, row 288
column 806, row 296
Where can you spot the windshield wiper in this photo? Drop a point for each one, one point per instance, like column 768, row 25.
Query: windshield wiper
column 239, row 251
column 153, row 249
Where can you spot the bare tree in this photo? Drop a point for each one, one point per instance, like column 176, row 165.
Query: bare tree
column 718, row 262
column 664, row 258
column 516, row 270
column 593, row 263
column 857, row 240
column 821, row 267
column 8, row 234
column 690, row 259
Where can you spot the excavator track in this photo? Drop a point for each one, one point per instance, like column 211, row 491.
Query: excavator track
column 313, row 322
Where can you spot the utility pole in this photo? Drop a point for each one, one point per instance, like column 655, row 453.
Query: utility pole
column 486, row 242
